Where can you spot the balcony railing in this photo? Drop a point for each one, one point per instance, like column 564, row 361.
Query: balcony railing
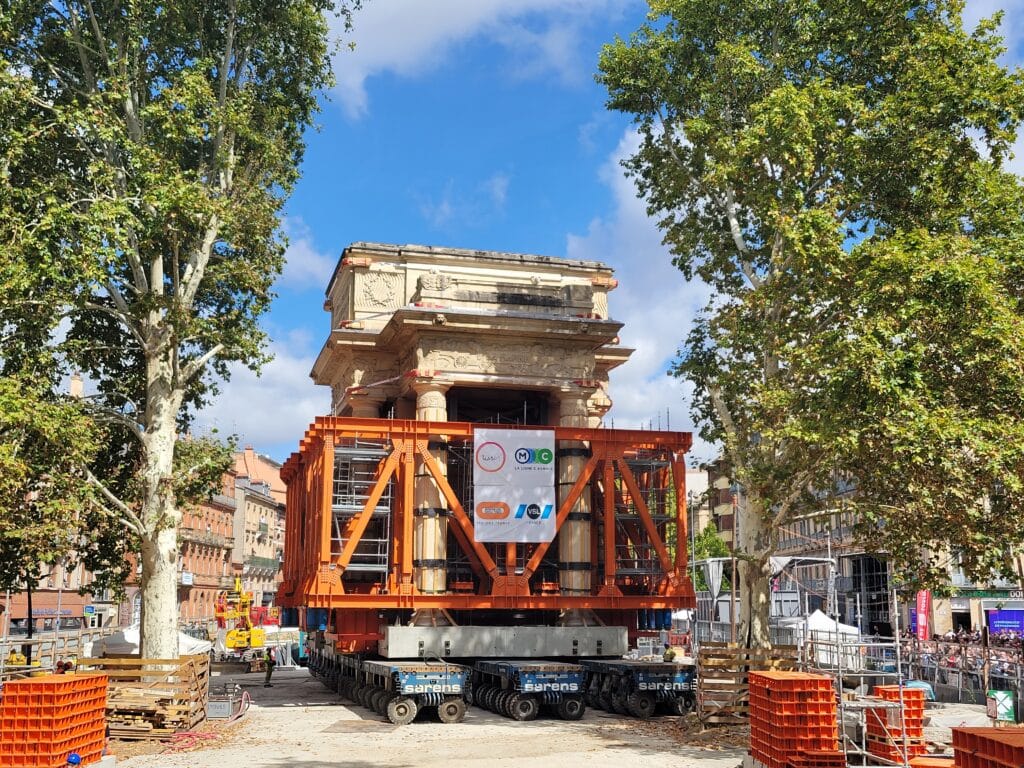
column 204, row 537
column 263, row 563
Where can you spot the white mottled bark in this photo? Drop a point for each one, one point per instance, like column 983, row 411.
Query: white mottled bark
column 160, row 515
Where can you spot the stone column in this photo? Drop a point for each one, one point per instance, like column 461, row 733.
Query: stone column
column 574, row 536
column 430, row 524
column 365, row 404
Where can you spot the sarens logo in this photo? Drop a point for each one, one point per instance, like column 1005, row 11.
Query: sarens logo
column 490, row 457
column 534, row 456
column 492, row 510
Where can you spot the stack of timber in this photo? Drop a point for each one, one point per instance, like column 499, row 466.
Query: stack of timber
column 154, row 698
column 723, row 687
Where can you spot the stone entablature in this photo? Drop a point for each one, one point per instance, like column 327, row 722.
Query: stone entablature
column 472, row 318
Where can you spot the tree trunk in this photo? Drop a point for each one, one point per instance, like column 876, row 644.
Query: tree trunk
column 754, row 538
column 27, row 649
column 160, row 515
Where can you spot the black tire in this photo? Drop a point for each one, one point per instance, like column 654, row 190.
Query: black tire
column 523, row 707
column 483, row 696
column 402, row 710
column 380, row 702
column 470, row 695
column 451, row 710
column 571, row 707
column 620, row 705
column 681, row 704
column 641, row 704
column 504, row 700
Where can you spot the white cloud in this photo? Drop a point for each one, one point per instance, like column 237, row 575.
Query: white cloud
column 482, row 202
column 272, row 410
column 412, row 37
column 305, row 265
column 654, row 300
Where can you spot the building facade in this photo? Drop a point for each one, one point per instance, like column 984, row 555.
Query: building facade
column 205, row 547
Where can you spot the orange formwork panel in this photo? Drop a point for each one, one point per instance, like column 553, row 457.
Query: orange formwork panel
column 44, row 719
column 360, row 557
column 988, row 747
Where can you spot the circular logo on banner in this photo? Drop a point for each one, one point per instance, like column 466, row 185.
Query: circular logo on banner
column 490, row 457
column 533, row 511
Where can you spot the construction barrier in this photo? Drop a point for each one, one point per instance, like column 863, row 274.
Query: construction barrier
column 154, row 698
column 988, row 747
column 793, row 720
column 894, row 732
column 45, row 719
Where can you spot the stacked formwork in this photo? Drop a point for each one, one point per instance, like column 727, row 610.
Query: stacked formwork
column 793, row 720
column 896, row 731
column 988, row 747
column 45, row 719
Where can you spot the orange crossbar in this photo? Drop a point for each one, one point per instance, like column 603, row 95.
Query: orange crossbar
column 315, row 577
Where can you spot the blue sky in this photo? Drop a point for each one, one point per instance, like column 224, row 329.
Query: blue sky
column 478, row 124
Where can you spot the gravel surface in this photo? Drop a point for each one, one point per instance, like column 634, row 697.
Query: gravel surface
column 300, row 724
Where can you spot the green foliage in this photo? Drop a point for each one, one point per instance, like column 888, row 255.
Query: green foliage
column 708, row 543
column 834, row 172
column 45, row 503
column 146, row 150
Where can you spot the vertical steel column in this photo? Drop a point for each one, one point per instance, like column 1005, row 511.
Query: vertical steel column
column 327, row 498
column 430, row 528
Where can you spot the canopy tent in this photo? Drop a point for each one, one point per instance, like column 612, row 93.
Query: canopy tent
column 826, row 638
column 126, row 641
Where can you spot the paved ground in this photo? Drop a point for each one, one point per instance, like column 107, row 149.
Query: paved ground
column 300, row 724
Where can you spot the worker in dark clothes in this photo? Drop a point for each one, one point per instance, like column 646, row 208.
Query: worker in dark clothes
column 269, row 661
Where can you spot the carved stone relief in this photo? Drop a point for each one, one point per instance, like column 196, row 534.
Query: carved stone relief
column 379, row 291
column 510, row 359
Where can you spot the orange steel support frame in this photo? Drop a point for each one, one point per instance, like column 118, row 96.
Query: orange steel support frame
column 316, row 578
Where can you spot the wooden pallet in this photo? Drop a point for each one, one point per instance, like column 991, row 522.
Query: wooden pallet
column 723, row 688
column 154, row 698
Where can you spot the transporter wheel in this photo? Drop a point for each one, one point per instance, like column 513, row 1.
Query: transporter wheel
column 470, row 695
column 604, row 701
column 505, row 702
column 620, row 705
column 523, row 706
column 364, row 696
column 487, row 697
column 682, row 704
column 571, row 707
column 380, row 702
column 641, row 704
column 402, row 710
column 451, row 710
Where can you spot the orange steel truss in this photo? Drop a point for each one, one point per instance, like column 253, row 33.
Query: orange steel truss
column 504, row 576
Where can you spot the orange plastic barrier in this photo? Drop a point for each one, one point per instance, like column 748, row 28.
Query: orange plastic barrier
column 988, row 747
column 44, row 719
column 793, row 720
column 889, row 732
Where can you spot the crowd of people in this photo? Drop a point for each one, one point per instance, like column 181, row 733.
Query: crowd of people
column 966, row 652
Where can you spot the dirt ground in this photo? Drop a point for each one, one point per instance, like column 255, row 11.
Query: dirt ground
column 300, row 724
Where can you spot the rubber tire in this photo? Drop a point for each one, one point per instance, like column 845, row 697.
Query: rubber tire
column 380, row 702
column 492, row 698
column 483, row 696
column 619, row 703
column 451, row 711
column 402, row 710
column 523, row 707
column 470, row 695
column 680, row 705
column 365, row 694
column 504, row 702
column 641, row 704
column 604, row 701
column 571, row 707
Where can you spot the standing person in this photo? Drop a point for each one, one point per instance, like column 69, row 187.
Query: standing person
column 269, row 661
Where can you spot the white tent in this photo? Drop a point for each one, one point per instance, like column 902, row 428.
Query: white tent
column 127, row 641
column 826, row 637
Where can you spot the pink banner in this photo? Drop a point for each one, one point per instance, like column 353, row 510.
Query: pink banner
column 924, row 611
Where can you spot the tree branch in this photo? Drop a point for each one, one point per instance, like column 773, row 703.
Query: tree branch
column 737, row 237
column 197, row 264
column 193, row 367
column 132, row 519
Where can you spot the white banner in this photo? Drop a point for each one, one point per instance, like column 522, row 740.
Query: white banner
column 514, row 485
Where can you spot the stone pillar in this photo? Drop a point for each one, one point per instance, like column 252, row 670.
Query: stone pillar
column 574, row 536
column 365, row 404
column 430, row 524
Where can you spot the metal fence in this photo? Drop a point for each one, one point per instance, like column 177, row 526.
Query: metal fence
column 965, row 673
